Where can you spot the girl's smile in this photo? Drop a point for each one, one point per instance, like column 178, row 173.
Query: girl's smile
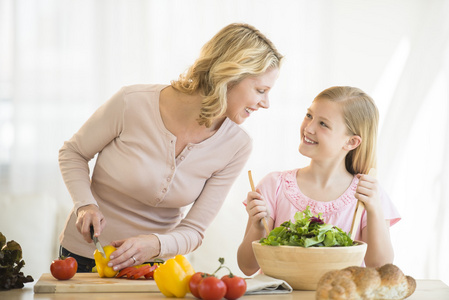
column 309, row 141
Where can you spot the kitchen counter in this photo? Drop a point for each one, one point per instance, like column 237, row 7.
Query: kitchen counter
column 426, row 289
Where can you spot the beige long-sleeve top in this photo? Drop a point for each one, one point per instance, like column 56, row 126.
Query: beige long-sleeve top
column 138, row 183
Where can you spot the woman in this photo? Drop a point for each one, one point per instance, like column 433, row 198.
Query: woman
column 165, row 149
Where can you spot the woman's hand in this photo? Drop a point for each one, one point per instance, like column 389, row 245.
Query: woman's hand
column 368, row 192
column 90, row 215
column 256, row 208
column 134, row 251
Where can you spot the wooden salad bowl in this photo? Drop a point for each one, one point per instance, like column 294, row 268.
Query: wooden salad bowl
column 302, row 267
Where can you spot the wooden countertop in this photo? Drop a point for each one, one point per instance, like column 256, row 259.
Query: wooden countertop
column 426, row 289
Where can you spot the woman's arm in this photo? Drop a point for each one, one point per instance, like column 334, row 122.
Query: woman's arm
column 188, row 235
column 100, row 129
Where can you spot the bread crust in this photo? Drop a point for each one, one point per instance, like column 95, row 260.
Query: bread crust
column 386, row 282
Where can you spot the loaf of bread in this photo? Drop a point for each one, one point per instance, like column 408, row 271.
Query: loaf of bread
column 386, row 282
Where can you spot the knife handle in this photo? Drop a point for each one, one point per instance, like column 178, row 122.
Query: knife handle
column 92, row 232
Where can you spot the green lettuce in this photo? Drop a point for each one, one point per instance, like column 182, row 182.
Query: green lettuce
column 306, row 231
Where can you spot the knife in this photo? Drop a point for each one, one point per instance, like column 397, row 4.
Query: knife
column 96, row 241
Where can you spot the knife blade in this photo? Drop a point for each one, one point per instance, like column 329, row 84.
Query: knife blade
column 96, row 242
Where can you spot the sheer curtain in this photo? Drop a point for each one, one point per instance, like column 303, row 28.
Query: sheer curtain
column 60, row 59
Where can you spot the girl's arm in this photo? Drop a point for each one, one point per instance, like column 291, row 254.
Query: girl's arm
column 377, row 235
column 377, row 231
column 257, row 210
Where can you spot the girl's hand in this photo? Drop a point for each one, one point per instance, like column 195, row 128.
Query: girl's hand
column 256, row 208
column 90, row 215
column 367, row 192
column 134, row 251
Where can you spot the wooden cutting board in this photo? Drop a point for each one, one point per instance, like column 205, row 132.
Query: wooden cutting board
column 92, row 283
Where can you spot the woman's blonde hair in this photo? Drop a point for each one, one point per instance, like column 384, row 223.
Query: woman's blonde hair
column 234, row 53
column 361, row 118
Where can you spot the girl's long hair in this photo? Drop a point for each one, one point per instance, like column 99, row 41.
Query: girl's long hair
column 361, row 117
column 234, row 53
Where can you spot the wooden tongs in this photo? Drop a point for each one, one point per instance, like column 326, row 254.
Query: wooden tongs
column 264, row 221
column 359, row 210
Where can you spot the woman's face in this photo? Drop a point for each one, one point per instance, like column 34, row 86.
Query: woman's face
column 249, row 95
column 324, row 134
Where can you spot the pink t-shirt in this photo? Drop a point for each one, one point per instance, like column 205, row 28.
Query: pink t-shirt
column 284, row 198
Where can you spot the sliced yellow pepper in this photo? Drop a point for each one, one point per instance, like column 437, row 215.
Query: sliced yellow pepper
column 172, row 277
column 102, row 263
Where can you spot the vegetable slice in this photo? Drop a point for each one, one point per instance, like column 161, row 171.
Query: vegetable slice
column 124, row 272
column 137, row 272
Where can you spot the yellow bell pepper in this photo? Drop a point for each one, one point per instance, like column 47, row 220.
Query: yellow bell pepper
column 172, row 277
column 102, row 263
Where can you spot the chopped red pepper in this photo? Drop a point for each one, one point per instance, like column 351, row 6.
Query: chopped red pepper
column 137, row 272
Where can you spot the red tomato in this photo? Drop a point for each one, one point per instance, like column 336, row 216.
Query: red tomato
column 236, row 287
column 63, row 268
column 194, row 283
column 212, row 288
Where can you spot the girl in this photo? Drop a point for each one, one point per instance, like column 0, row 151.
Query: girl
column 338, row 134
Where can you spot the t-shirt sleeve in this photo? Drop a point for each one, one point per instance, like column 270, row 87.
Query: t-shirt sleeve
column 389, row 209
column 99, row 130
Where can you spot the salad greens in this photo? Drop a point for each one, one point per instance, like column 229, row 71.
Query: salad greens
column 307, row 231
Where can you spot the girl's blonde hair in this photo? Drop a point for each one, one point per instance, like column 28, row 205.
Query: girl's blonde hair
column 361, row 117
column 234, row 53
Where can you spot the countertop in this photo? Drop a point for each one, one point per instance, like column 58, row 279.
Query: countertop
column 426, row 289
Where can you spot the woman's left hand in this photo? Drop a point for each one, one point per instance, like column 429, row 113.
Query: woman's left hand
column 367, row 192
column 134, row 251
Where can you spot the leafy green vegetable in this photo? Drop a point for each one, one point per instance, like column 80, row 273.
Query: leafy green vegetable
column 307, row 231
column 10, row 264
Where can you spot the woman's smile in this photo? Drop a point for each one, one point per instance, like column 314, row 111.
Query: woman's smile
column 250, row 110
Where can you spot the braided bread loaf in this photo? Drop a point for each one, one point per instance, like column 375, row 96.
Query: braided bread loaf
column 386, row 282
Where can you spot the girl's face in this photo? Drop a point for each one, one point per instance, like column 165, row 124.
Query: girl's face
column 249, row 95
column 324, row 135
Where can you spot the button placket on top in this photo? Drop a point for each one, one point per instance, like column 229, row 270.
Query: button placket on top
column 185, row 152
column 166, row 183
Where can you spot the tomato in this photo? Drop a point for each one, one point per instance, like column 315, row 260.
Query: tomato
column 63, row 268
column 194, row 283
column 236, row 286
column 211, row 288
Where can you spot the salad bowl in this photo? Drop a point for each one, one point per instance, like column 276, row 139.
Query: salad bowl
column 303, row 267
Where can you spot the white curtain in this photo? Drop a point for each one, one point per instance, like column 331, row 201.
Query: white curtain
column 61, row 59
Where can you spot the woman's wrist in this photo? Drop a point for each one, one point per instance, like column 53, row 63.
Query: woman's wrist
column 154, row 247
column 86, row 207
